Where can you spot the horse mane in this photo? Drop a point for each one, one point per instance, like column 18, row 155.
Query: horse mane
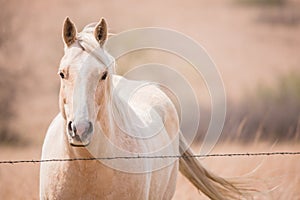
column 89, row 28
column 119, row 88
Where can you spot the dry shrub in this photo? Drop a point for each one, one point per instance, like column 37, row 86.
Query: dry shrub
column 270, row 113
column 275, row 12
column 7, row 97
column 9, row 79
column 263, row 2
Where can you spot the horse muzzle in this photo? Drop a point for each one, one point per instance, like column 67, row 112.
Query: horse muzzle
column 80, row 133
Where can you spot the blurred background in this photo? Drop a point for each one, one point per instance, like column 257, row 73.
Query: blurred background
column 254, row 43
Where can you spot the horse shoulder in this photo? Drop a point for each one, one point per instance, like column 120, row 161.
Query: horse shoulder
column 49, row 173
column 54, row 138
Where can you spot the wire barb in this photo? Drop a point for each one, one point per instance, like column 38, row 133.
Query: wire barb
column 151, row 157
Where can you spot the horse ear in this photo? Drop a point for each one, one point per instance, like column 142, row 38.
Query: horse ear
column 69, row 32
column 101, row 32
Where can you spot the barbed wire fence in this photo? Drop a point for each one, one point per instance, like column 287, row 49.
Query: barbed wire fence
column 283, row 153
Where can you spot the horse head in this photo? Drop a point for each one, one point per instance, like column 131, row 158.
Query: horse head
column 85, row 72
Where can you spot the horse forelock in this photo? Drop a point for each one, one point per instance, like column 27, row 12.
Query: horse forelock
column 89, row 28
column 88, row 42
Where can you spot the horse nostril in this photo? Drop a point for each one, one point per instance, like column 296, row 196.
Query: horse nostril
column 72, row 129
column 70, row 126
column 81, row 129
column 90, row 130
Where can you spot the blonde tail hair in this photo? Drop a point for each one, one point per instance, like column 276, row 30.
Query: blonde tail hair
column 214, row 187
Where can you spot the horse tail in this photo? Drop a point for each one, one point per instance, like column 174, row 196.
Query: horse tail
column 214, row 187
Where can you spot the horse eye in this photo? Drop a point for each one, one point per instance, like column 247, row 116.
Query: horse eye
column 62, row 75
column 104, row 75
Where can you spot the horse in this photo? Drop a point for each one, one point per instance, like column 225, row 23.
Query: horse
column 98, row 119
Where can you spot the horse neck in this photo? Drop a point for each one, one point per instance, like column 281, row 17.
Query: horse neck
column 105, row 115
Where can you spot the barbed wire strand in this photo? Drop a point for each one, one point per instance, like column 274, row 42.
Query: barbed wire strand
column 151, row 157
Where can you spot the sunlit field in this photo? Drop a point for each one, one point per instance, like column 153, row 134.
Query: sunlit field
column 254, row 44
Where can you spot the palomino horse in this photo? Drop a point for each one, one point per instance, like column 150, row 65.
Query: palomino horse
column 96, row 119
